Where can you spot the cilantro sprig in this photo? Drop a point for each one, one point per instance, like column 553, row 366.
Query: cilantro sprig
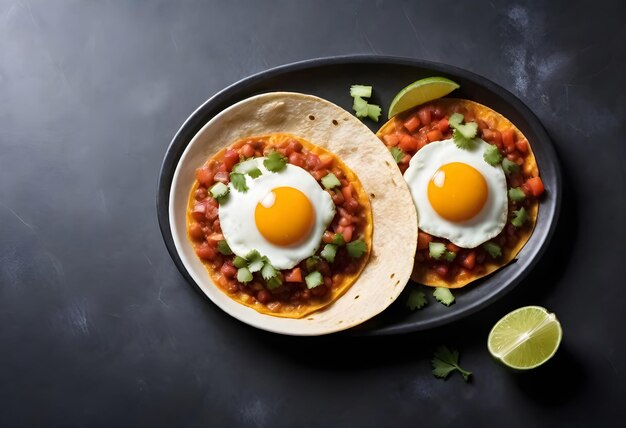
column 275, row 162
column 416, row 300
column 446, row 361
column 462, row 134
column 444, row 296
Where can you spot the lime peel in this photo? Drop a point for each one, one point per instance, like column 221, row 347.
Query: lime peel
column 420, row 92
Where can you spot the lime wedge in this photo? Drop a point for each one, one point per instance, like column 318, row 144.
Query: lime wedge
column 525, row 338
column 421, row 92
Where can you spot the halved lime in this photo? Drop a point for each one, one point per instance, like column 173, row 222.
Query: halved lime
column 420, row 92
column 525, row 338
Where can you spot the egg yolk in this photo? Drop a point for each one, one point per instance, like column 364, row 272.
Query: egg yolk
column 285, row 216
column 457, row 191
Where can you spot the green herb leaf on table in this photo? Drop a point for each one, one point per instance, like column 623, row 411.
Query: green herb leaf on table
column 416, row 300
column 360, row 107
column 446, row 361
column 373, row 112
column 444, row 296
column 275, row 162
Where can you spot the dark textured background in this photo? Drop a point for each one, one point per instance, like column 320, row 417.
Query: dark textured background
column 98, row 328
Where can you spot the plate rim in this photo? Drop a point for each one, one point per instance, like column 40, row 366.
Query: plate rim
column 196, row 120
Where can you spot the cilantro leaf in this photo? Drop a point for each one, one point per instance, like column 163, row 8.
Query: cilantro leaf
column 460, row 141
column 268, row 271
column 492, row 155
column 329, row 252
column 516, row 194
column 509, row 167
column 356, row 248
column 219, row 191
column 274, row 282
column 373, row 112
column 416, row 300
column 360, row 107
column 360, row 91
column 311, row 263
column 397, row 154
column 493, row 249
column 445, row 361
column 238, row 180
column 338, row 239
column 443, row 296
column 255, row 173
column 256, row 264
column 468, row 130
column 519, row 217
column 275, row 162
column 240, row 262
column 450, row 256
column 223, row 248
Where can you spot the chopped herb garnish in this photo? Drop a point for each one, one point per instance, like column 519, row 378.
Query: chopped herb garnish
column 468, row 130
column 449, row 256
column 240, row 262
column 244, row 275
column 356, row 248
column 313, row 280
column 436, row 250
column 256, row 265
column 397, row 154
column 255, row 173
column 460, row 141
column 223, row 248
column 238, row 180
column 444, row 296
column 519, row 217
column 516, row 194
column 220, row 191
column 338, row 239
column 275, row 162
column 416, row 300
column 455, row 119
column 492, row 155
column 274, row 282
column 330, row 181
column 493, row 249
column 373, row 112
column 509, row 167
column 311, row 263
column 253, row 255
column 360, row 91
column 268, row 271
column 445, row 362
column 329, row 252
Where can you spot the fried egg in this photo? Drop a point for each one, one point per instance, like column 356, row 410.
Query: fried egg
column 458, row 195
column 282, row 215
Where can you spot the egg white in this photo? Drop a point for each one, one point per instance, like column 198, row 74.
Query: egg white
column 488, row 223
column 236, row 214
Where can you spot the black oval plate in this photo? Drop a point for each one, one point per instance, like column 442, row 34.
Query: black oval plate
column 330, row 78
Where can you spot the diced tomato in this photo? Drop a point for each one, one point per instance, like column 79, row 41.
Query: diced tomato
column 434, row 135
column 488, row 134
column 228, row 270
column 199, row 211
column 222, row 176
column 408, row 143
column 294, row 275
column 508, row 139
column 195, row 231
column 263, row 296
column 392, row 140
column 231, row 157
column 443, row 125
column 422, row 140
column 423, row 239
column 454, row 248
column 516, row 179
column 438, row 112
column 347, row 233
column 204, row 175
column 312, row 161
column 206, row 252
column 247, row 151
column 536, row 186
column 296, row 159
column 526, row 189
column 412, row 123
column 347, row 192
column 522, row 146
column 470, row 260
column 424, row 115
column 326, row 161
